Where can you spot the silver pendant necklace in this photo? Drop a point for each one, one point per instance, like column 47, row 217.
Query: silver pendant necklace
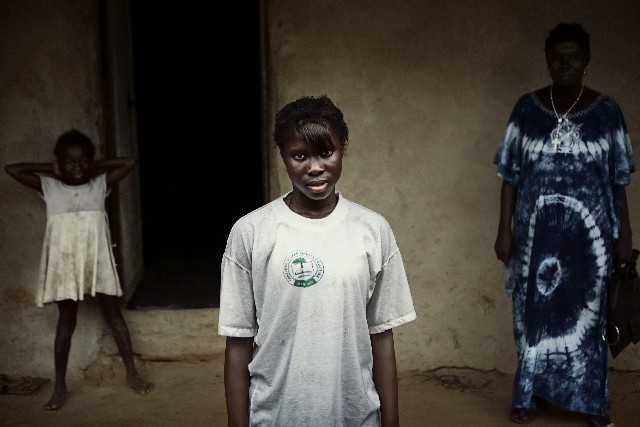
column 566, row 133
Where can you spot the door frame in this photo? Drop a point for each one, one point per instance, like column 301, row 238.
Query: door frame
column 121, row 139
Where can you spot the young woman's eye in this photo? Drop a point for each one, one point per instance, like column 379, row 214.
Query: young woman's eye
column 327, row 153
column 299, row 156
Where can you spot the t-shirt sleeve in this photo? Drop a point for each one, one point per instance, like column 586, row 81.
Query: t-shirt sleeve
column 391, row 303
column 237, row 316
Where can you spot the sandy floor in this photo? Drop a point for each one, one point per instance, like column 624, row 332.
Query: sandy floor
column 192, row 394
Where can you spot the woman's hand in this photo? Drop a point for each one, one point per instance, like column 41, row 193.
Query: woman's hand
column 623, row 249
column 503, row 246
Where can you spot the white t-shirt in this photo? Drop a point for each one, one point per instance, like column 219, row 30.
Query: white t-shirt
column 310, row 291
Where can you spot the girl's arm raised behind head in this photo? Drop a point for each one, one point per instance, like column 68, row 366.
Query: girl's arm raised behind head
column 116, row 168
column 28, row 173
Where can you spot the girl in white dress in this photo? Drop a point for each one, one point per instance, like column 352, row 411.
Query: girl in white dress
column 77, row 257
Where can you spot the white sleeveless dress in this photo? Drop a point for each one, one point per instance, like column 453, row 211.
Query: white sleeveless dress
column 77, row 256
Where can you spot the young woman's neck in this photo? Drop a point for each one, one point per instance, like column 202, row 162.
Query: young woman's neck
column 309, row 208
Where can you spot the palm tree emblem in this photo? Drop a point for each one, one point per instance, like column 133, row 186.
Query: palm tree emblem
column 303, row 269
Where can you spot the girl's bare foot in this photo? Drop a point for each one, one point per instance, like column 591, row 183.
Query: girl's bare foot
column 57, row 399
column 139, row 385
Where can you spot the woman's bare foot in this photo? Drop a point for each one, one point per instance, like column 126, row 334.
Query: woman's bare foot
column 57, row 399
column 139, row 385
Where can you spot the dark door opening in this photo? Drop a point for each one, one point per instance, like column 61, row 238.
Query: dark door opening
column 198, row 104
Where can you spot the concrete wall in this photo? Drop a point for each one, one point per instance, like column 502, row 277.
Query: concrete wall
column 426, row 88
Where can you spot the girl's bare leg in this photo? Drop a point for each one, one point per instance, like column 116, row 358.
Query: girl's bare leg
column 113, row 315
column 67, row 315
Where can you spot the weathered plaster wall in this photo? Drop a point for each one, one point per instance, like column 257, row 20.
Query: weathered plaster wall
column 426, row 88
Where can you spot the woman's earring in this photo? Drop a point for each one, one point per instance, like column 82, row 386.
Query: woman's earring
column 586, row 71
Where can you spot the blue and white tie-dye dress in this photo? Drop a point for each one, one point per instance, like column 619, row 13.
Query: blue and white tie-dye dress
column 566, row 221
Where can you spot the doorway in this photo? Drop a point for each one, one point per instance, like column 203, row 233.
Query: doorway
column 199, row 142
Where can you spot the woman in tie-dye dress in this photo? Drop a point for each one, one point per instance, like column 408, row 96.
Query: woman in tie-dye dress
column 565, row 160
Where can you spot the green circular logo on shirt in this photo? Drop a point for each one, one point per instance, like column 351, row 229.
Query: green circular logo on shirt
column 302, row 269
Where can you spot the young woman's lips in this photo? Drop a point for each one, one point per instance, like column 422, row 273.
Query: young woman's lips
column 317, row 186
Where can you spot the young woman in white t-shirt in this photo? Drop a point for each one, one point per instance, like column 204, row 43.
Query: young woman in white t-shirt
column 312, row 285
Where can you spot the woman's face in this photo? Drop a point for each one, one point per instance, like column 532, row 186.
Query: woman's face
column 567, row 62
column 313, row 174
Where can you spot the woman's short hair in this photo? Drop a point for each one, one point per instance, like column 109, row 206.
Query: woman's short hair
column 568, row 32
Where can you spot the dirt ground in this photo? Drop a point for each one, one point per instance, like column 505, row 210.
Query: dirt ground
column 192, row 394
